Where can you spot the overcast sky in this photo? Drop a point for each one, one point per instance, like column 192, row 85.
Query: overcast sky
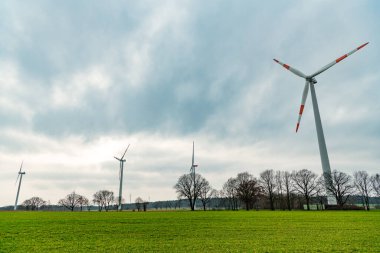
column 80, row 80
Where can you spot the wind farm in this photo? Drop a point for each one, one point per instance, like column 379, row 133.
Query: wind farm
column 67, row 118
column 166, row 127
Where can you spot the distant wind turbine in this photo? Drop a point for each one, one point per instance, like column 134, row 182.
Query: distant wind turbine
column 121, row 160
column 192, row 170
column 19, row 175
column 310, row 81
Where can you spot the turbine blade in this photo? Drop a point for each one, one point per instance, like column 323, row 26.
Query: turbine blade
column 303, row 101
column 338, row 60
column 291, row 69
column 117, row 158
column 17, row 178
column 125, row 152
column 19, row 172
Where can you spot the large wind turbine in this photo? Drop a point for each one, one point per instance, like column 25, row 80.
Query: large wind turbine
column 310, row 81
column 121, row 160
column 20, row 174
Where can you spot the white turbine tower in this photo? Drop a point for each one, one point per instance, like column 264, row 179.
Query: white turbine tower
column 121, row 160
column 193, row 166
column 192, row 171
column 310, row 81
column 20, row 174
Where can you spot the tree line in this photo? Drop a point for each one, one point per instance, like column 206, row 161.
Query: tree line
column 281, row 189
column 103, row 199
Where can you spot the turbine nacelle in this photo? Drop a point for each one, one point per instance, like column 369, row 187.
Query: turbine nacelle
column 20, row 172
column 120, row 160
column 311, row 80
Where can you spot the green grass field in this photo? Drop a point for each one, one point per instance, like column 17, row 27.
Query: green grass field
column 211, row 231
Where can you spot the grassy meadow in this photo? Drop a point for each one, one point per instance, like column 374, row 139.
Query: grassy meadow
column 185, row 231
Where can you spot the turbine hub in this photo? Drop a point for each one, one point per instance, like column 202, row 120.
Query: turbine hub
column 311, row 80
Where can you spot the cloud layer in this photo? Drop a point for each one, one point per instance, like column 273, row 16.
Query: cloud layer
column 78, row 82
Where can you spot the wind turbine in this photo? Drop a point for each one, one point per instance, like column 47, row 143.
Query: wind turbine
column 20, row 174
column 310, row 81
column 192, row 170
column 121, row 160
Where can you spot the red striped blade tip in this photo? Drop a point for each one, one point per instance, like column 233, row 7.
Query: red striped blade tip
column 301, row 109
column 341, row 58
column 365, row 44
column 298, row 125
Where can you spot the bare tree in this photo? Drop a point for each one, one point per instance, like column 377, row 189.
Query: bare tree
column 363, row 185
column 288, row 187
column 104, row 199
column 320, row 192
column 70, row 201
column 340, row 185
column 190, row 187
column 184, row 188
column 280, row 189
column 284, row 189
column 375, row 181
column 206, row 193
column 139, row 203
column 27, row 204
column 230, row 192
column 34, row 203
column 268, row 183
column 248, row 189
column 145, row 205
column 83, row 201
column 109, row 199
column 98, row 200
column 305, row 183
